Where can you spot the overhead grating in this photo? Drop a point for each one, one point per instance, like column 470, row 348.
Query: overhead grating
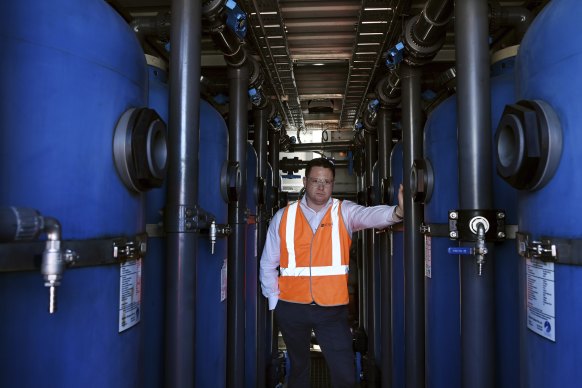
column 268, row 29
column 378, row 25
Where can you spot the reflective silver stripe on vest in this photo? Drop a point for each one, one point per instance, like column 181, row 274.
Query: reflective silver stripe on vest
column 315, row 271
column 336, row 267
column 290, row 234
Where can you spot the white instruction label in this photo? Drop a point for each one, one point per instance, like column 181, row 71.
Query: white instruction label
column 541, row 316
column 223, row 281
column 427, row 256
column 129, row 294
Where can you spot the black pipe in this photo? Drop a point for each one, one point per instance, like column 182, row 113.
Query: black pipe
column 362, row 278
column 331, row 146
column 384, row 148
column 475, row 190
column 295, row 164
column 274, row 137
column 238, row 78
column 369, row 260
column 182, row 195
column 261, row 117
column 518, row 17
column 18, row 223
column 413, row 240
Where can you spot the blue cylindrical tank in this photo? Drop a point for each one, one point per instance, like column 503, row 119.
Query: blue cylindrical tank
column 397, row 271
column 443, row 336
column 65, row 82
column 548, row 68
column 442, row 310
column 153, row 270
column 210, row 368
column 251, row 271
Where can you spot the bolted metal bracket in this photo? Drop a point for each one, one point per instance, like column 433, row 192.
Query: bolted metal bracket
column 463, row 224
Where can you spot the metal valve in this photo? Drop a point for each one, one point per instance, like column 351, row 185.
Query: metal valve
column 54, row 260
column 213, row 233
column 479, row 250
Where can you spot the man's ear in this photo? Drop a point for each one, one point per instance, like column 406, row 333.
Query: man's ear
column 304, row 182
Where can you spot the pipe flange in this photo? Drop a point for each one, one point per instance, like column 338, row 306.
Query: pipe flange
column 140, row 149
column 230, row 181
column 212, row 8
column 260, row 191
column 419, row 52
column 386, row 191
column 370, row 196
column 256, row 77
column 388, row 89
column 421, row 180
column 528, row 143
column 370, row 124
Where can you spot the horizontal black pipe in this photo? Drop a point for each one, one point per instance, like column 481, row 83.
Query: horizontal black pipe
column 331, row 146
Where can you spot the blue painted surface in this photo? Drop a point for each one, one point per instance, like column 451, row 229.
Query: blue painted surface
column 548, row 67
column 210, row 368
column 64, row 85
column 442, row 293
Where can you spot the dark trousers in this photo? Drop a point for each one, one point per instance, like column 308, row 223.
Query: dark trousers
column 333, row 334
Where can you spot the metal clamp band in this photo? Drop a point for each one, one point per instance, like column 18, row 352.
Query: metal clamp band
column 27, row 256
column 550, row 249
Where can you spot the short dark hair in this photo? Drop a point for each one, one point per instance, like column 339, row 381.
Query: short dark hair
column 319, row 162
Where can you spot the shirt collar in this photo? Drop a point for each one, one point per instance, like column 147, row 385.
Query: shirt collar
column 306, row 206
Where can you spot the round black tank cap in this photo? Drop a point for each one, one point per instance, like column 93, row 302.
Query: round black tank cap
column 140, row 149
column 528, row 144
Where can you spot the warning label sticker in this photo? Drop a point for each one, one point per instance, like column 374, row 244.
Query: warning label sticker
column 129, row 294
column 427, row 257
column 541, row 316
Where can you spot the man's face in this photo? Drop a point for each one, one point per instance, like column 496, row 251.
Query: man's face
column 318, row 186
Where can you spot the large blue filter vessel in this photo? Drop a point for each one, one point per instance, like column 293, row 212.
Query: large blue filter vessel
column 211, row 272
column 397, row 270
column 72, row 68
column 251, row 272
column 548, row 75
column 442, row 310
column 442, row 287
column 153, row 271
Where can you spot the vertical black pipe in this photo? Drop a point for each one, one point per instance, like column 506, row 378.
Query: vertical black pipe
column 363, row 278
column 413, row 240
column 475, row 191
column 273, row 155
column 274, row 137
column 260, row 117
column 238, row 78
column 369, row 265
column 384, row 148
column 182, row 195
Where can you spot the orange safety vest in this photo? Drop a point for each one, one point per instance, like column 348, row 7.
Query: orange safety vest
column 314, row 267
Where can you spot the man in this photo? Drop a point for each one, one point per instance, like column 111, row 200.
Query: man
column 309, row 241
